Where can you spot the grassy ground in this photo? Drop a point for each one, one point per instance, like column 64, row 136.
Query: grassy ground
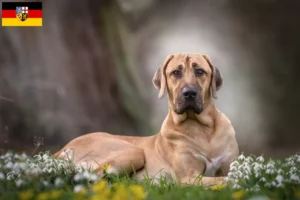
column 43, row 177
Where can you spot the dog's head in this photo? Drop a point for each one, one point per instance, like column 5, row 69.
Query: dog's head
column 190, row 79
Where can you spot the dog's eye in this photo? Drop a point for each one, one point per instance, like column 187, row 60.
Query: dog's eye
column 199, row 71
column 176, row 73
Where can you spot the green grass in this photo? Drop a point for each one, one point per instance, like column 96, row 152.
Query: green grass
column 44, row 177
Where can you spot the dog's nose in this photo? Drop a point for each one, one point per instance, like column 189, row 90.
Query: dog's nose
column 189, row 93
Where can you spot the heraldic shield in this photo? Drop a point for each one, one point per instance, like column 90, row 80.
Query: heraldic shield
column 22, row 13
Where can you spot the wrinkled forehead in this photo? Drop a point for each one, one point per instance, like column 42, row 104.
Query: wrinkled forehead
column 186, row 60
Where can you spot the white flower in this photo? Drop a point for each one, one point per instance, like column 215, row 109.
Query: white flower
column 46, row 157
column 78, row 188
column 2, row 176
column 279, row 178
column 280, row 185
column 270, row 171
column 113, row 170
column 280, row 171
column 239, row 174
column 260, row 159
column 258, row 198
column 236, row 186
column 241, row 157
column 231, row 174
column 257, row 167
column 58, row 182
column 240, row 167
column 67, row 154
column 291, row 163
column 270, row 165
column 246, row 177
column 9, row 177
column 9, row 165
column 256, row 188
column 263, row 180
column 294, row 177
column 249, row 159
column 24, row 156
column 37, row 157
column 20, row 182
column 257, row 174
column 247, row 169
column 51, row 170
column 45, row 183
column 78, row 177
column 93, row 177
column 234, row 163
column 293, row 170
column 233, row 168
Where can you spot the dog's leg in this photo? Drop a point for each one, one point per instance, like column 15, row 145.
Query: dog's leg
column 93, row 151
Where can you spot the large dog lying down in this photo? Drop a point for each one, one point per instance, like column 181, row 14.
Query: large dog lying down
column 195, row 138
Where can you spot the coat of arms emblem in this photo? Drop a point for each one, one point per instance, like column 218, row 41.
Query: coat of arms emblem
column 22, row 13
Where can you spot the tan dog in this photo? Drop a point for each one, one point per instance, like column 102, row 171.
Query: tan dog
column 195, row 138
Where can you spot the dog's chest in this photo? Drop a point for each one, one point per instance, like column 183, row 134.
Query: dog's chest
column 212, row 165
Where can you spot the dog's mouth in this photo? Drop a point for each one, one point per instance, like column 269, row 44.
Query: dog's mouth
column 194, row 106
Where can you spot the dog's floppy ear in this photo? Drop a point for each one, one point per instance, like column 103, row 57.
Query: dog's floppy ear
column 159, row 79
column 216, row 80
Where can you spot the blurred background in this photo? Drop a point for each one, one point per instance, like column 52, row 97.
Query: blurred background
column 89, row 68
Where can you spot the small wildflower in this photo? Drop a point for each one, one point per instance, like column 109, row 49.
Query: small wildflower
column 295, row 178
column 279, row 178
column 78, row 177
column 113, row 170
column 236, row 186
column 260, row 159
column 26, row 195
column 120, row 193
column 2, row 177
column 43, row 196
column 270, row 166
column 234, row 164
column 106, row 166
column 217, row 187
column 280, row 171
column 297, row 193
column 241, row 157
column 58, row 182
column 270, row 171
column 249, row 159
column 78, row 188
column 258, row 198
column 54, row 194
column 233, row 168
column 20, row 182
column 238, row 194
column 263, row 180
column 137, row 191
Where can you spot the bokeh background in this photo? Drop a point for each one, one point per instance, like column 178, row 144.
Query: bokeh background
column 89, row 68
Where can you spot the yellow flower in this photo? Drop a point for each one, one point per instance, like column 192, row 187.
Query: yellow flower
column 120, row 193
column 43, row 196
column 25, row 195
column 54, row 194
column 81, row 195
column 106, row 166
column 98, row 197
column 217, row 187
column 238, row 194
column 297, row 193
column 101, row 188
column 138, row 192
